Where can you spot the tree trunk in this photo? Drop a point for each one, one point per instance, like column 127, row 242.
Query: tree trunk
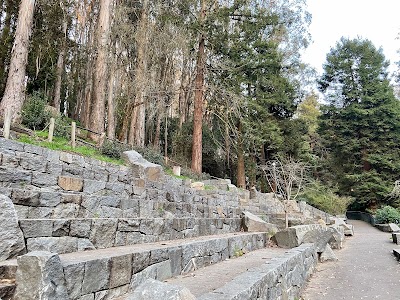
column 110, row 105
column 97, row 114
column 198, row 99
column 138, row 130
column 60, row 68
column 241, row 174
column 14, row 95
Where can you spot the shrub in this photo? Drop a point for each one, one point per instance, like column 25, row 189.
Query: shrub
column 324, row 198
column 62, row 127
column 111, row 149
column 387, row 214
column 34, row 113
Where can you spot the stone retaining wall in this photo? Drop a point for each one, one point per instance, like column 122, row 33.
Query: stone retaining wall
column 280, row 278
column 112, row 274
column 70, row 235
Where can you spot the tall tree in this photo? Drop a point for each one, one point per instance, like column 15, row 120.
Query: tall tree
column 361, row 124
column 199, row 94
column 14, row 95
column 97, row 112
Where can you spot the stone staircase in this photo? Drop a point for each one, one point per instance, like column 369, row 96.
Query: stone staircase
column 135, row 227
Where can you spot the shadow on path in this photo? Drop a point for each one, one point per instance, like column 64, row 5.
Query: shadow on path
column 366, row 269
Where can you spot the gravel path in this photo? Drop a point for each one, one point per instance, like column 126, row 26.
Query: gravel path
column 366, row 269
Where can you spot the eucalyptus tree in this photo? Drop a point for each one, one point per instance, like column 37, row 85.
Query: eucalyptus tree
column 14, row 94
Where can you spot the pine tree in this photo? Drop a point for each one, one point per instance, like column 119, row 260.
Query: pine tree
column 361, row 124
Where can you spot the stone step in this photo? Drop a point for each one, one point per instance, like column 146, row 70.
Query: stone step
column 70, row 235
column 114, row 271
column 271, row 273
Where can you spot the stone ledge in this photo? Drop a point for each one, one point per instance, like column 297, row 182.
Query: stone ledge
column 281, row 278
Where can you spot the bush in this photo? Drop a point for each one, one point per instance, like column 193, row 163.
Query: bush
column 111, row 149
column 387, row 214
column 34, row 113
column 324, row 198
column 62, row 127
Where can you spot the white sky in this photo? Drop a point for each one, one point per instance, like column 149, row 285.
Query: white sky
column 378, row 21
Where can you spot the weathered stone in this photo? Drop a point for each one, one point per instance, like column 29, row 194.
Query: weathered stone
column 15, row 176
column 32, row 162
column 36, row 228
column 71, row 198
column 97, row 275
column 121, row 270
column 70, row 183
column 65, row 244
column 197, row 186
column 348, row 228
column 320, row 237
column 327, row 255
column 11, row 237
column 61, row 227
column 336, row 242
column 25, row 197
column 66, row 157
column 128, row 225
column 142, row 168
column 252, row 223
column 102, row 233
column 93, row 186
column 43, row 179
column 66, row 210
column 74, row 274
column 154, row 289
column 80, row 228
column 40, row 276
column 396, row 238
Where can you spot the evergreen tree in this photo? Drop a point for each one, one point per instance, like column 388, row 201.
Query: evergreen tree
column 360, row 125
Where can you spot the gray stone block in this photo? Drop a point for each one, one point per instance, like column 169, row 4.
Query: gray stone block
column 103, row 232
column 15, row 176
column 11, row 237
column 36, row 228
column 128, row 225
column 153, row 289
column 93, row 186
column 43, row 179
column 121, row 270
column 96, row 276
column 74, row 274
column 40, row 276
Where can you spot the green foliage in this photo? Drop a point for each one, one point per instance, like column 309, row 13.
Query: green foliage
column 324, row 198
column 361, row 124
column 111, row 149
column 62, row 127
column 387, row 214
column 34, row 113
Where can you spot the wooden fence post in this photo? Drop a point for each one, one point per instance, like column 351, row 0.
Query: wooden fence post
column 7, row 123
column 73, row 135
column 51, row 130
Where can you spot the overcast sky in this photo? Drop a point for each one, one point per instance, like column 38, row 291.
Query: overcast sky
column 378, row 21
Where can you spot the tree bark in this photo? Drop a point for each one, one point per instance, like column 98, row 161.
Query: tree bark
column 138, row 130
column 241, row 176
column 60, row 68
column 198, row 99
column 14, row 94
column 96, row 122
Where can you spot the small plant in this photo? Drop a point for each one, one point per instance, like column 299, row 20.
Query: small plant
column 237, row 252
column 34, row 113
column 111, row 149
column 387, row 214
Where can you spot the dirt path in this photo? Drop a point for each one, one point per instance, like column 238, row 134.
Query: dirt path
column 366, row 269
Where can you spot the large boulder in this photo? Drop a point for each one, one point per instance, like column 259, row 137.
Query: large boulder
column 391, row 227
column 296, row 235
column 141, row 167
column 253, row 223
column 40, row 275
column 11, row 238
column 328, row 255
column 348, row 228
column 153, row 289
